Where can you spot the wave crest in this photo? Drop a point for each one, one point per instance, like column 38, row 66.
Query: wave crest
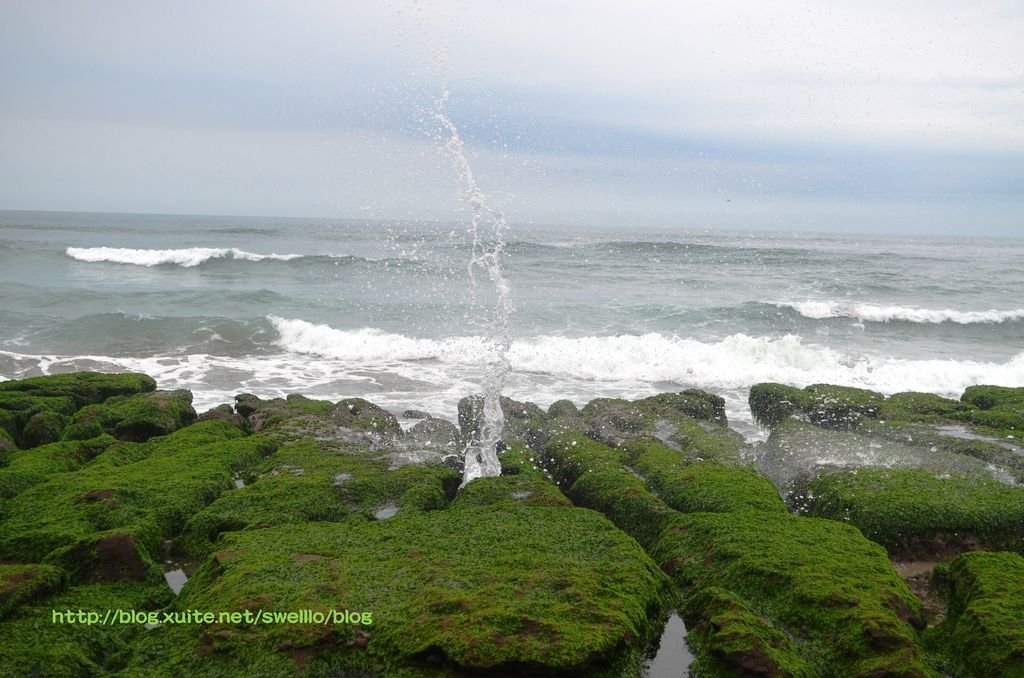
column 819, row 310
column 187, row 258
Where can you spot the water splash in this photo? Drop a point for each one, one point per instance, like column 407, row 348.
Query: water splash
column 487, row 229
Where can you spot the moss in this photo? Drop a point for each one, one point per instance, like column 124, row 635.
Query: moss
column 305, row 481
column 823, row 586
column 829, row 406
column 691, row 403
column 134, row 418
column 563, row 408
column 522, row 483
column 20, row 584
column 984, row 632
column 34, row 645
column 43, row 428
column 772, row 403
column 84, row 387
column 703, row 442
column 705, row 486
column 31, row 467
column 989, row 397
column 912, row 511
column 911, row 406
column 594, row 478
column 481, row 588
column 734, row 640
column 150, row 498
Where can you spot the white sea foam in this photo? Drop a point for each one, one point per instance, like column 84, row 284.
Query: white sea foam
column 737, row 361
column 402, row 372
column 819, row 310
column 188, row 257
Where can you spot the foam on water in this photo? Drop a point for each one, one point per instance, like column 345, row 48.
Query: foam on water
column 186, row 257
column 819, row 310
column 400, row 372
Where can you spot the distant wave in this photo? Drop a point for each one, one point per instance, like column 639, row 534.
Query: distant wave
column 187, row 258
column 819, row 310
column 737, row 361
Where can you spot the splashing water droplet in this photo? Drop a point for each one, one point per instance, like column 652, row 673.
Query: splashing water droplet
column 487, row 229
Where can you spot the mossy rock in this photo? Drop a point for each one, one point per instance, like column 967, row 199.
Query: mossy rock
column 134, row 418
column 984, row 632
column 147, row 490
column 20, row 584
column 502, row 588
column 827, row 405
column 297, row 417
column 304, row 482
column 689, row 485
column 36, row 642
column 563, row 408
column 522, row 483
column 43, row 428
column 915, row 513
column 912, row 406
column 26, row 468
column 790, row 595
column 524, row 422
column 592, row 475
column 989, row 397
column 84, row 388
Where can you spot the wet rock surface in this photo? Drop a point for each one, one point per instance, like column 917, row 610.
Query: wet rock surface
column 869, row 536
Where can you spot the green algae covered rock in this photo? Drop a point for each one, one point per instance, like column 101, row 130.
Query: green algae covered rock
column 984, row 633
column 19, row 584
column 777, row 594
column 26, row 468
column 829, row 406
column 529, row 587
column 148, row 490
column 689, row 485
column 307, row 481
column 38, row 643
column 914, row 512
column 134, row 418
column 35, row 411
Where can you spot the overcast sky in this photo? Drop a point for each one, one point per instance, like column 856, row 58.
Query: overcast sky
column 862, row 115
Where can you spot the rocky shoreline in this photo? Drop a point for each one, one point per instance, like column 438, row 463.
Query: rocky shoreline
column 868, row 536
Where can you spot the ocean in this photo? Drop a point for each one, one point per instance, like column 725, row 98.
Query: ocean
column 389, row 310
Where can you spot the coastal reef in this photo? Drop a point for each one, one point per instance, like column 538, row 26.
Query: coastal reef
column 869, row 535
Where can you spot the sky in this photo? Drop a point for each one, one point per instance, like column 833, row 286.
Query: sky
column 859, row 116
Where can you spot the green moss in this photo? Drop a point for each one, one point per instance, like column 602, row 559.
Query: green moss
column 305, row 481
column 690, row 403
column 703, row 441
column 522, row 483
column 733, row 640
column 20, row 584
column 134, row 418
column 989, row 397
column 482, row 588
column 829, row 406
column 151, row 498
column 595, row 478
column 34, row 645
column 705, row 486
column 42, row 428
column 912, row 511
column 823, row 586
column 911, row 406
column 772, row 403
column 31, row 467
column 563, row 408
column 83, row 387
column 984, row 632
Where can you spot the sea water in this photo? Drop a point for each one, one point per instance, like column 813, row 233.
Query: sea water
column 385, row 309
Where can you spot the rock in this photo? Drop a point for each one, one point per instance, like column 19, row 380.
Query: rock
column 563, row 408
column 134, row 418
column 984, row 633
column 225, row 413
column 415, row 414
column 918, row 515
column 436, row 433
column 42, row 428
